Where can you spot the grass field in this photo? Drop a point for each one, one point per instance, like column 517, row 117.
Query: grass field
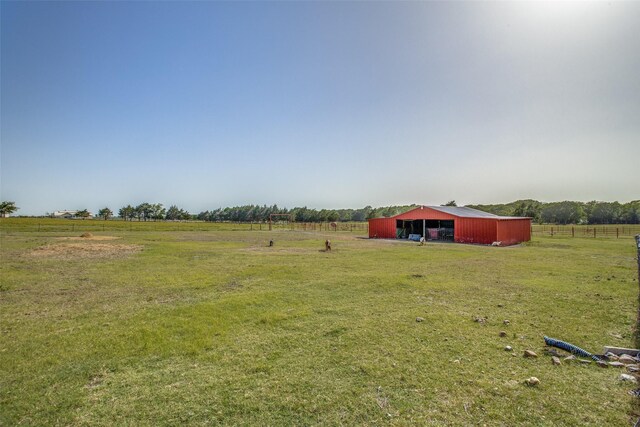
column 204, row 327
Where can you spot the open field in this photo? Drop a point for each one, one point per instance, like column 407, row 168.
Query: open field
column 160, row 327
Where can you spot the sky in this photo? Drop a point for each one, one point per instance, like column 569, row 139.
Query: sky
column 319, row 104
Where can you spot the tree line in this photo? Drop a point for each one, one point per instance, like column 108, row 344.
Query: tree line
column 149, row 211
column 251, row 213
column 569, row 212
column 565, row 212
column 262, row 213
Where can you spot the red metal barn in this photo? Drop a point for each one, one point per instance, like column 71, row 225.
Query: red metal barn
column 453, row 223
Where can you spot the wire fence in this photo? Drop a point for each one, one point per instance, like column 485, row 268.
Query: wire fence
column 9, row 225
column 592, row 231
column 47, row 225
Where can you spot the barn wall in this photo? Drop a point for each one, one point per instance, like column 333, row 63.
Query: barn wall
column 382, row 228
column 514, row 231
column 475, row 230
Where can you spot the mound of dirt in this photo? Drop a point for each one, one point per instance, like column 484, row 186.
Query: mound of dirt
column 70, row 251
column 85, row 235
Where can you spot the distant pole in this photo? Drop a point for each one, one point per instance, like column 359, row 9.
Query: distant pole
column 638, row 260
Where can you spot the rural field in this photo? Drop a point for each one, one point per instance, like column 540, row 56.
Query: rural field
column 207, row 325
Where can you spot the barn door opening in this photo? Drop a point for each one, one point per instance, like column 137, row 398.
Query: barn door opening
column 438, row 229
column 430, row 229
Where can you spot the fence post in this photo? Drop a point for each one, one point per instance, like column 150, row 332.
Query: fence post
column 551, row 231
column 594, row 232
column 638, row 259
column 573, row 232
column 617, row 233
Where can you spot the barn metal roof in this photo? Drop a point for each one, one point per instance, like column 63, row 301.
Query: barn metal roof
column 463, row 212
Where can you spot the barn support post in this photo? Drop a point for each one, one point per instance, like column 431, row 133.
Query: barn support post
column 424, row 229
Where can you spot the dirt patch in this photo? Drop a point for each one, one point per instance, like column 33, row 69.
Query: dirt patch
column 85, row 250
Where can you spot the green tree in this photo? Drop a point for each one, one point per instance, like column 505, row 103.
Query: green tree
column 105, row 213
column 631, row 212
column 563, row 213
column 605, row 213
column 7, row 208
column 529, row 209
column 333, row 216
column 127, row 212
column 451, row 203
column 157, row 211
column 373, row 213
column 83, row 214
column 174, row 213
column 143, row 211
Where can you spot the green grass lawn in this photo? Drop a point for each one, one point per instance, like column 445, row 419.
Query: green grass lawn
column 213, row 327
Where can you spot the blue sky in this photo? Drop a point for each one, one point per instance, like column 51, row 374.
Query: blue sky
column 324, row 104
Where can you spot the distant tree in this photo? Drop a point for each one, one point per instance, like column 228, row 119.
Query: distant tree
column 127, row 212
column 83, row 214
column 631, row 212
column 451, row 203
column 605, row 213
column 174, row 213
column 7, row 208
column 143, row 211
column 529, row 209
column 361, row 214
column 157, row 211
column 333, row 216
column 563, row 213
column 105, row 213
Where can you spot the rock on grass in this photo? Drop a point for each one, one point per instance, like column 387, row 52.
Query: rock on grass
column 532, row 381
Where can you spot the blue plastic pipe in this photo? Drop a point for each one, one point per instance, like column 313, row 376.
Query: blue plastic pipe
column 569, row 347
